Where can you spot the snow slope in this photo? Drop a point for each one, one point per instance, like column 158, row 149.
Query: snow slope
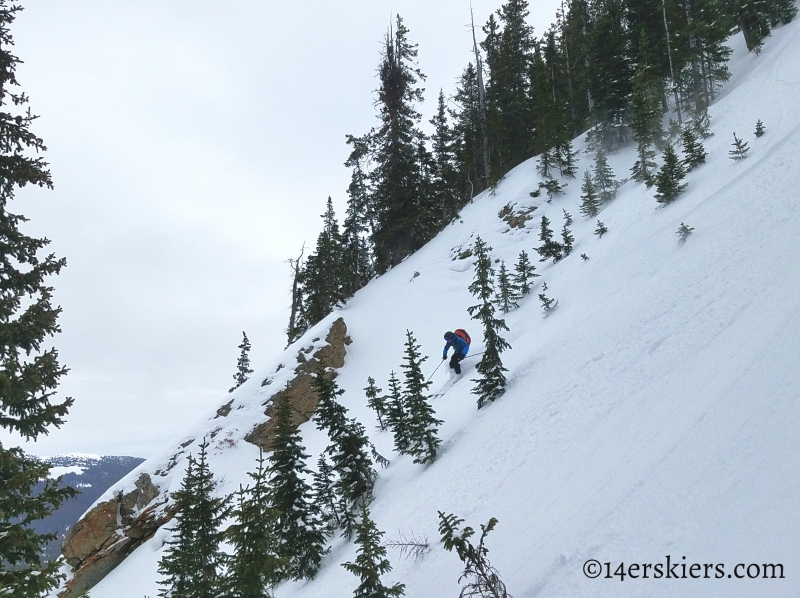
column 653, row 414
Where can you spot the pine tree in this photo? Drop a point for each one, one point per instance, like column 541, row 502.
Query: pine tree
column 753, row 16
column 423, row 441
column 403, row 210
column 565, row 157
column 192, row 562
column 604, row 179
column 669, row 177
column 740, row 149
column 647, row 111
column 349, row 451
column 323, row 276
column 693, row 150
column 296, row 524
column 683, row 232
column 600, row 230
column 590, row 203
column 471, row 145
column 357, row 266
column 376, row 402
column 549, row 248
column 243, row 370
column 548, row 304
column 567, row 217
column 507, row 297
column 397, row 418
column 482, row 580
column 254, row 568
column 444, row 185
column 29, row 365
column 567, row 239
column 553, row 187
column 371, row 562
column 759, row 128
column 524, row 273
column 492, row 383
column 323, row 494
column 546, row 163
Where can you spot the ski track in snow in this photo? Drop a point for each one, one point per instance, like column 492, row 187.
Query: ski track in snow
column 653, row 413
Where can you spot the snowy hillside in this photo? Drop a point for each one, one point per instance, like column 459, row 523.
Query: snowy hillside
column 655, row 413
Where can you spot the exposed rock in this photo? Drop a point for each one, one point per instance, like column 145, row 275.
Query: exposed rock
column 109, row 532
column 302, row 398
column 225, row 409
column 516, row 219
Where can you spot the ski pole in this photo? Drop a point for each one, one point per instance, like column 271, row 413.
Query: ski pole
column 475, row 354
column 434, row 371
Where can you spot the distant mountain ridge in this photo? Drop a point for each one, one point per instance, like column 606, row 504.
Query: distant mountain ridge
column 91, row 475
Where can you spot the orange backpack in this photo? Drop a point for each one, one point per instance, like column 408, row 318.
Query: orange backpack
column 462, row 334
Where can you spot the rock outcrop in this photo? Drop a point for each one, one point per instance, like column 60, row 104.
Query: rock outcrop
column 302, row 398
column 111, row 530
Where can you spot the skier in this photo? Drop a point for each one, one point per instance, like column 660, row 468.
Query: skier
column 460, row 341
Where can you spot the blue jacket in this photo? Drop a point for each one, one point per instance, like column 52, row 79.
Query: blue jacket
column 459, row 345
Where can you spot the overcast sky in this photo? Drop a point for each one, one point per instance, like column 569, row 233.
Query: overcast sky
column 193, row 145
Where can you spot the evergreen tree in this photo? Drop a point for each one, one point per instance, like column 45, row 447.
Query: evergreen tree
column 349, row 451
column 492, row 383
column 507, row 296
column 753, row 17
column 590, row 203
column 508, row 45
column 548, row 160
column 29, row 366
column 323, row 273
column 565, row 157
column 471, row 145
column 683, row 232
column 524, row 273
column 371, row 562
column 323, row 494
column 740, row 149
column 604, row 179
column 549, row 248
column 781, row 11
column 444, row 184
column 553, row 187
column 669, row 177
column 600, row 230
column 567, row 217
column 402, row 209
column 192, row 562
column 548, row 304
column 357, row 267
column 243, row 370
column 482, row 580
column 693, row 150
column 423, row 441
column 567, row 239
column 397, row 417
column 296, row 524
column 376, row 402
column 254, row 567
column 759, row 128
column 646, row 113
column 298, row 324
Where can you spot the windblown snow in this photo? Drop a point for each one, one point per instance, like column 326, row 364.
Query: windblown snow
column 654, row 414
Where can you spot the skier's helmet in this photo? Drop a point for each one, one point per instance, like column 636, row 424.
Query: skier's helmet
column 448, row 335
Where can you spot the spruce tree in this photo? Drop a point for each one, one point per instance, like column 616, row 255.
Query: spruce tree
column 29, row 365
column 254, row 568
column 323, row 494
column 693, row 150
column 470, row 143
column 349, row 451
column 423, row 441
column 377, row 402
column 759, row 128
column 567, row 239
column 590, row 202
column 647, row 111
column 669, row 177
column 192, row 563
column 548, row 304
column 492, row 383
column 296, row 524
column 323, row 275
column 507, row 295
column 445, row 180
column 357, row 266
column 740, row 149
column 403, row 208
column 371, row 562
column 601, row 229
column 565, row 157
column 243, row 370
column 524, row 273
column 546, row 163
column 397, row 417
column 549, row 248
column 683, row 232
column 604, row 180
